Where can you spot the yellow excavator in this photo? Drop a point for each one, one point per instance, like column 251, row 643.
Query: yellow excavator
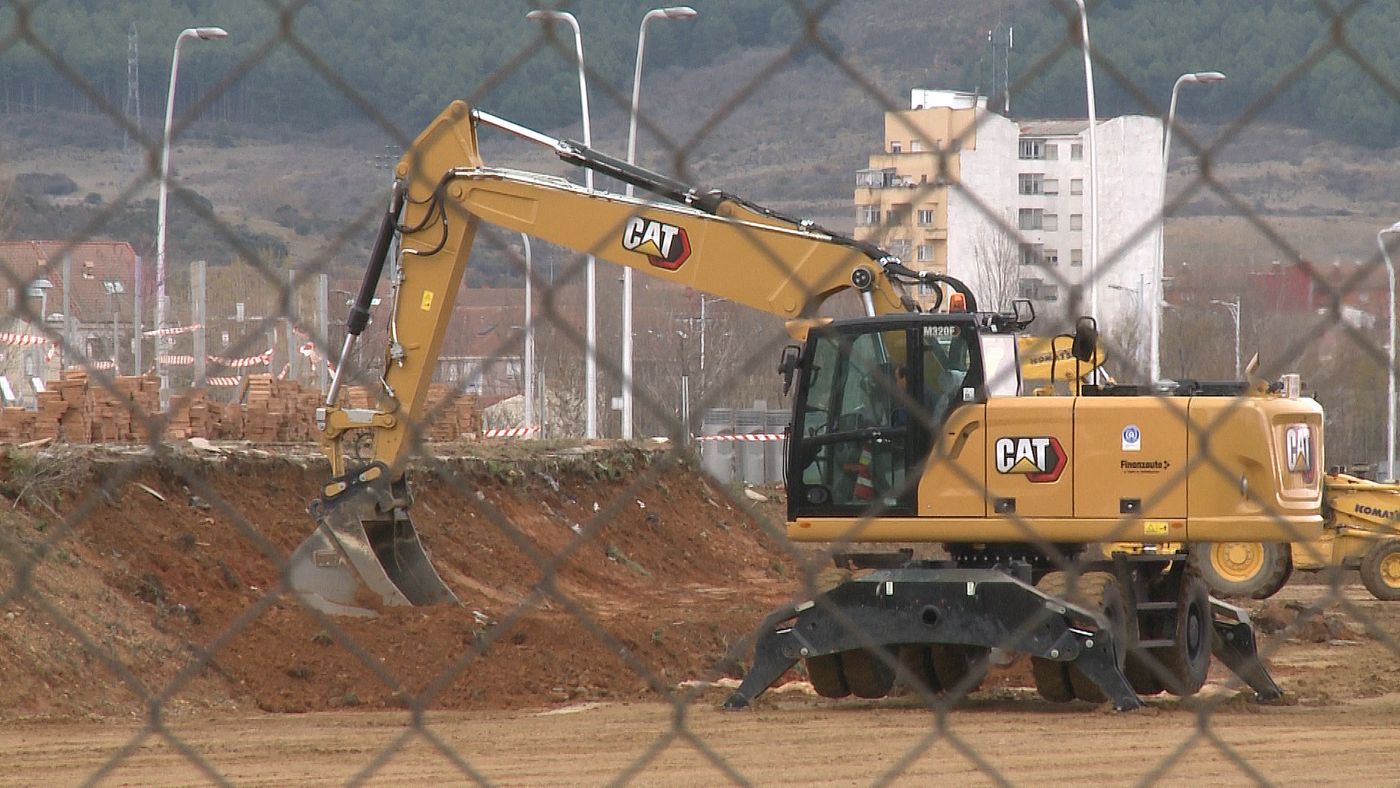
column 907, row 426
column 1361, row 531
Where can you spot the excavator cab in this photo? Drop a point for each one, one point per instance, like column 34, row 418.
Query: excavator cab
column 872, row 397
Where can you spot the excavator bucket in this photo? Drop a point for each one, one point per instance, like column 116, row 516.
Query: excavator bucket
column 360, row 559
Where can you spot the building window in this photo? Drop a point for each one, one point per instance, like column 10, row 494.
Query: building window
column 1052, row 152
column 1076, row 152
column 1050, row 222
column 1076, row 186
column 898, row 214
column 915, row 146
column 925, row 217
column 1031, row 183
column 1076, row 221
column 1076, row 257
column 1030, row 218
column 867, row 214
column 1032, row 149
column 1031, row 254
column 1052, row 186
column 895, row 147
column 1051, row 256
column 924, row 253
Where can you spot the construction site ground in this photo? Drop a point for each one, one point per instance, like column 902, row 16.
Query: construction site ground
column 146, row 563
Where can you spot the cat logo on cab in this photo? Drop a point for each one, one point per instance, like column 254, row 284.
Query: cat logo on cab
column 665, row 245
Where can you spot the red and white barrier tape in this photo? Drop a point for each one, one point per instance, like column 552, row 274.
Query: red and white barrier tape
column 512, row 432
column 262, row 359
column 223, row 380
column 171, row 331
column 744, row 436
column 23, row 340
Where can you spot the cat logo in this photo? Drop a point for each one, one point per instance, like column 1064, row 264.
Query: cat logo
column 1298, row 449
column 1041, row 459
column 665, row 245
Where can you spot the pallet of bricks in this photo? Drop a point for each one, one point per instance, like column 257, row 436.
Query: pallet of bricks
column 446, row 416
column 279, row 411
column 452, row 414
column 74, row 409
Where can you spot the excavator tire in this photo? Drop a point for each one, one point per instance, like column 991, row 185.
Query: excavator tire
column 1254, row 570
column 1380, row 570
column 1051, row 677
column 960, row 669
column 1143, row 672
column 1099, row 591
column 826, row 676
column 917, row 661
column 1187, row 661
column 866, row 673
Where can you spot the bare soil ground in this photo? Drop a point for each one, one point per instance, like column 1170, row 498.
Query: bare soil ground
column 112, row 598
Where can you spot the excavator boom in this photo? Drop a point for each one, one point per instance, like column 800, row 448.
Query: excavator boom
column 711, row 241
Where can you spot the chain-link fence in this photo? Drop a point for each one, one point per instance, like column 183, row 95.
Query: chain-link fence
column 158, row 579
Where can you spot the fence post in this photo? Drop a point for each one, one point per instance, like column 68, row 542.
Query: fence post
column 200, row 317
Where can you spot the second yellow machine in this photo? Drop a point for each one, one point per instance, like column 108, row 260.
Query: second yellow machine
column 907, row 426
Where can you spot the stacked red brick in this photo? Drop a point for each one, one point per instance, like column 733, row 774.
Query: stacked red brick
column 76, row 409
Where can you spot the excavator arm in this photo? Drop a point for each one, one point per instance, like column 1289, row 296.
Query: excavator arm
column 711, row 241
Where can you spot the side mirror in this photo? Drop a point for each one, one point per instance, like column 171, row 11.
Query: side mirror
column 1086, row 339
column 1024, row 311
column 787, row 364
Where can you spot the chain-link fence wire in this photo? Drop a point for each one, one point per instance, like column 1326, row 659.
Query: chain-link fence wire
column 554, row 39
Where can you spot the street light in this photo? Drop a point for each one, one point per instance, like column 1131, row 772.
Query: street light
column 1390, row 373
column 1199, row 78
column 114, row 288
column 1234, row 307
column 206, row 34
column 674, row 12
column 591, row 365
column 529, row 340
column 1093, row 164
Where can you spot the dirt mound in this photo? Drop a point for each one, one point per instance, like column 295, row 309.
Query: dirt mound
column 655, row 576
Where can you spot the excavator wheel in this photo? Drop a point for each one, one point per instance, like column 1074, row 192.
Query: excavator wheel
column 1099, row 591
column 1061, row 682
column 960, row 669
column 866, row 673
column 917, row 661
column 1187, row 661
column 1380, row 570
column 1256, row 570
column 1144, row 672
column 1051, row 677
column 826, row 676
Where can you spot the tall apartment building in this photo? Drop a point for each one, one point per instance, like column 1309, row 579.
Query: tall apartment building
column 1003, row 204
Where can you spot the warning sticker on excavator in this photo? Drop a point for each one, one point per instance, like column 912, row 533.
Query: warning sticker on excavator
column 1155, row 528
column 427, row 300
column 665, row 245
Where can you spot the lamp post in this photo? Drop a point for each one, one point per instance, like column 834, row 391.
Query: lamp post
column 1390, row 372
column 529, row 340
column 1234, row 307
column 1093, row 164
column 1199, row 78
column 674, row 12
column 206, row 34
column 591, row 362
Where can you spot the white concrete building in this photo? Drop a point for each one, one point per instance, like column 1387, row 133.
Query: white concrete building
column 1028, row 177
